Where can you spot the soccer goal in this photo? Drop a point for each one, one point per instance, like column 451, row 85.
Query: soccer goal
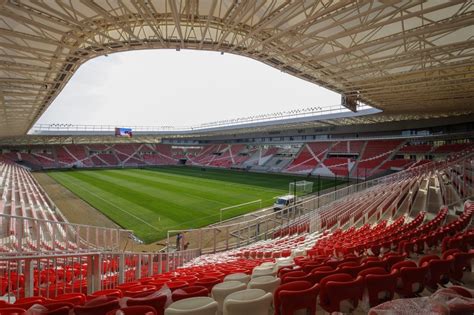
column 300, row 188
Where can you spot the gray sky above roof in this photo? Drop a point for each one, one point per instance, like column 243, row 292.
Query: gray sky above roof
column 166, row 87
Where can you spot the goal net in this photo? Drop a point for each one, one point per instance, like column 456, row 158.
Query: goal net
column 300, row 188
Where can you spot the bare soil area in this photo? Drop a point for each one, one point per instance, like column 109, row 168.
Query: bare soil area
column 76, row 210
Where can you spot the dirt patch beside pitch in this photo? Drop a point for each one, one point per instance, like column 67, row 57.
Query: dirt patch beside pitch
column 76, row 210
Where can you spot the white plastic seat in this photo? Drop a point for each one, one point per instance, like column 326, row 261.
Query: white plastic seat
column 265, row 283
column 221, row 290
column 263, row 271
column 242, row 277
column 193, row 306
column 267, row 264
column 246, row 302
column 298, row 252
column 284, row 262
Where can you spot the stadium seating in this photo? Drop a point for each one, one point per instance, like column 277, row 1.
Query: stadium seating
column 374, row 154
column 362, row 249
column 353, row 158
column 416, row 148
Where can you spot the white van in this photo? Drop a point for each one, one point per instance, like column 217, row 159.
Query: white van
column 283, row 202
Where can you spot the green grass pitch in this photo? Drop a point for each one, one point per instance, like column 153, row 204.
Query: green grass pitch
column 152, row 201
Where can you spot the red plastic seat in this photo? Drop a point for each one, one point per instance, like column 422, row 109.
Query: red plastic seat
column 190, row 279
column 401, row 264
column 351, row 270
column 318, row 275
column 192, row 291
column 411, row 280
column 12, row 311
column 307, row 268
column 339, row 288
column 294, row 296
column 25, row 301
column 126, row 286
column 379, row 263
column 63, row 310
column 134, row 310
column 208, row 283
column 461, row 291
column 109, row 292
column 97, row 306
column 140, row 290
column 74, row 298
column 372, row 271
column 59, row 306
column 155, row 300
column 174, row 285
column 27, row 305
column 439, row 271
column 292, row 275
column 284, row 270
column 333, row 263
column 214, row 274
column 426, row 259
column 380, row 285
column 461, row 263
column 450, row 252
column 392, row 260
column 420, row 244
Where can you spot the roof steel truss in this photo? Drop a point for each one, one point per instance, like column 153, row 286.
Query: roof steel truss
column 399, row 56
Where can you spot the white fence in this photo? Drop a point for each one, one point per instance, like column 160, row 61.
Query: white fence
column 20, row 235
column 55, row 274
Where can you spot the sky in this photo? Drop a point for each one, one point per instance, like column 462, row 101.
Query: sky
column 178, row 88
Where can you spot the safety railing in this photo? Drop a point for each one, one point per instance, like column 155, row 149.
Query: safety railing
column 20, row 235
column 301, row 217
column 55, row 274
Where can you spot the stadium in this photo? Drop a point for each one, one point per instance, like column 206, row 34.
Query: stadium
column 364, row 207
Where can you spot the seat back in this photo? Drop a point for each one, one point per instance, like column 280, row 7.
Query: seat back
column 200, row 305
column 12, row 311
column 296, row 286
column 344, row 296
column 290, row 301
column 265, row 283
column 461, row 263
column 242, row 277
column 221, row 290
column 155, row 300
column 392, row 260
column 188, row 292
column 426, row 259
column 412, row 280
column 134, row 310
column 96, row 308
column 380, row 287
column 439, row 270
column 294, row 274
column 402, row 264
column 372, row 271
column 352, row 270
column 379, row 263
column 250, row 301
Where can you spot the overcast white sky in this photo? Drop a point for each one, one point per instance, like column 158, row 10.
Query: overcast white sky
column 166, row 87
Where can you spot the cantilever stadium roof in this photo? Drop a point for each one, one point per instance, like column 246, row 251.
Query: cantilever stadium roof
column 399, row 56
